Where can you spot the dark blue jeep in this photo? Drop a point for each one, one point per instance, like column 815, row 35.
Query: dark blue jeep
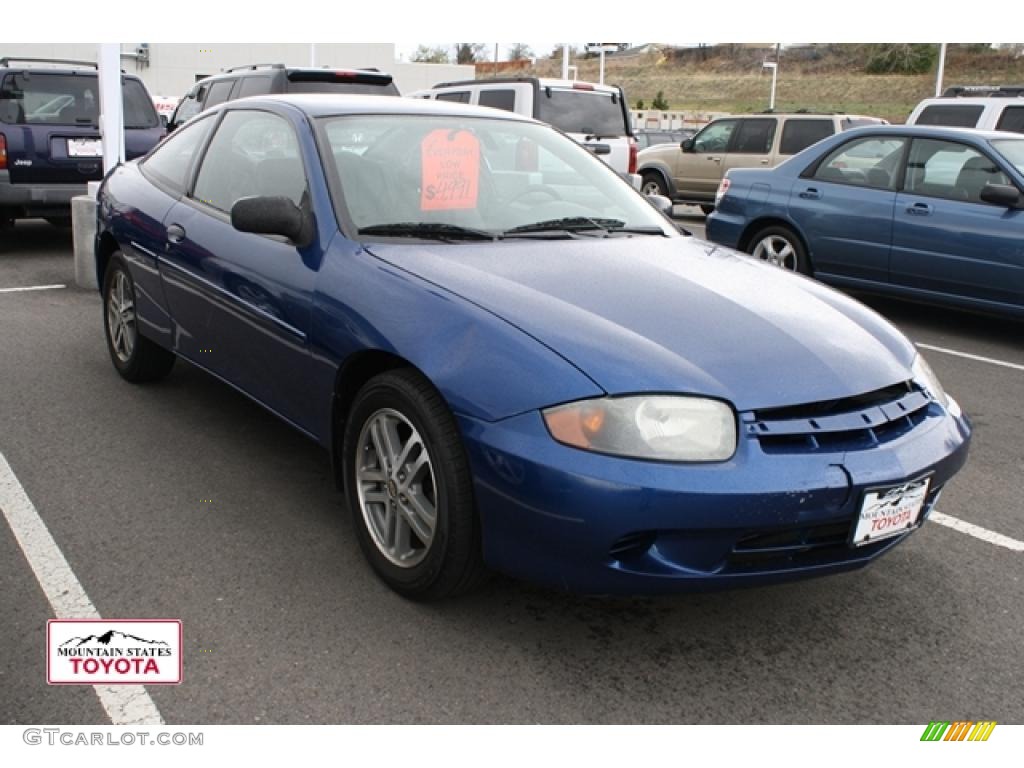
column 49, row 134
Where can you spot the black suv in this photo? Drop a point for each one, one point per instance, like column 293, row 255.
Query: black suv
column 259, row 79
column 49, row 134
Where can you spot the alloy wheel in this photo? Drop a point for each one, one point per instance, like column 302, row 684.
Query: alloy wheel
column 121, row 317
column 778, row 251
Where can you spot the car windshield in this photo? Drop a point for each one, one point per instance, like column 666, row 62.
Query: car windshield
column 42, row 98
column 455, row 176
column 1012, row 150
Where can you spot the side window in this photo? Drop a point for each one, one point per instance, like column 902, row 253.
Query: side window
column 190, row 105
column 949, row 170
column 172, row 160
column 715, row 136
column 950, row 115
column 252, row 153
column 1012, row 119
column 798, row 135
column 219, row 93
column 755, row 136
column 254, row 86
column 504, row 98
column 869, row 162
column 460, row 96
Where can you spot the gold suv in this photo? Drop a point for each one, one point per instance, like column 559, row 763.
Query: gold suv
column 690, row 172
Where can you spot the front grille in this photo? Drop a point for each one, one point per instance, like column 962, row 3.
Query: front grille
column 848, row 424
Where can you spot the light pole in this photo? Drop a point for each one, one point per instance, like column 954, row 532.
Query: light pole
column 774, row 67
column 942, row 69
column 565, row 61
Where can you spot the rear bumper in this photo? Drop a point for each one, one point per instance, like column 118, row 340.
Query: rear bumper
column 30, row 198
column 602, row 525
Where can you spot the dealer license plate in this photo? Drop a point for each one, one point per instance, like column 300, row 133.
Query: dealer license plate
column 887, row 512
column 85, row 148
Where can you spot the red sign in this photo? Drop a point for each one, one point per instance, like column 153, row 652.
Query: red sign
column 450, row 174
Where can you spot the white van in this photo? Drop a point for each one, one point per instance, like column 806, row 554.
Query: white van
column 594, row 115
column 989, row 108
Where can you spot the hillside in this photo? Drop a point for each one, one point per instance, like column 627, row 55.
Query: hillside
column 829, row 78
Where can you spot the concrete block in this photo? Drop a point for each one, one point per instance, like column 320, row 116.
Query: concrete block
column 83, row 228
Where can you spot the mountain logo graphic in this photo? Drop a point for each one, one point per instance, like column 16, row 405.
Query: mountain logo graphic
column 110, row 638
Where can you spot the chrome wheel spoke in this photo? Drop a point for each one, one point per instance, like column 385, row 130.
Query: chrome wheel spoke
column 421, row 515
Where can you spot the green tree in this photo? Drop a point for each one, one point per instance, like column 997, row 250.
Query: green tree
column 426, row 54
column 640, row 104
column 659, row 101
column 518, row 51
column 469, row 53
column 900, row 58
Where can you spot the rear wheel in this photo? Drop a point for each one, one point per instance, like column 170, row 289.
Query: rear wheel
column 409, row 488
column 707, row 209
column 135, row 357
column 781, row 247
column 653, row 184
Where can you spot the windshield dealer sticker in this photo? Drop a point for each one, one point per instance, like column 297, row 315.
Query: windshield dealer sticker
column 450, row 173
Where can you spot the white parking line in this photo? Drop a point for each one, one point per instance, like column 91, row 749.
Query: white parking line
column 976, row 531
column 124, row 704
column 979, row 358
column 32, row 288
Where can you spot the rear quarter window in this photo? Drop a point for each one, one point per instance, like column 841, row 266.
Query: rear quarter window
column 498, row 99
column 1012, row 119
column 950, row 115
column 798, row 135
column 594, row 113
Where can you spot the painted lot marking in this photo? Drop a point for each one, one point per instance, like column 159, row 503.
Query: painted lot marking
column 32, row 288
column 968, row 356
column 124, row 704
column 976, row 531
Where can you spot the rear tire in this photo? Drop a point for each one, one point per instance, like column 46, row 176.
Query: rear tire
column 780, row 246
column 409, row 488
column 653, row 184
column 707, row 209
column 135, row 357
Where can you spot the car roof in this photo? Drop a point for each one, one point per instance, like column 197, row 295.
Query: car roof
column 933, row 131
column 330, row 104
column 83, row 70
column 542, row 82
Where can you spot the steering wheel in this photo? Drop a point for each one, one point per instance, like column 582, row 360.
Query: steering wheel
column 542, row 189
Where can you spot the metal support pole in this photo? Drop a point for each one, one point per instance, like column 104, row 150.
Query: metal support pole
column 600, row 77
column 312, row 55
column 942, row 69
column 565, row 61
column 111, row 105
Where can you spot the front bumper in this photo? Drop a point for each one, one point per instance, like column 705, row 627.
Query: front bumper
column 724, row 228
column 597, row 524
column 33, row 198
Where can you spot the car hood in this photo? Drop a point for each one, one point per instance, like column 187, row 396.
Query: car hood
column 650, row 314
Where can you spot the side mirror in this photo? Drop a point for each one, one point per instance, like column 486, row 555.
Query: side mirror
column 273, row 216
column 687, row 145
column 660, row 203
column 1001, row 194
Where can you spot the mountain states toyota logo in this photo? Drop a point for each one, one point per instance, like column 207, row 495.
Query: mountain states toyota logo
column 135, row 651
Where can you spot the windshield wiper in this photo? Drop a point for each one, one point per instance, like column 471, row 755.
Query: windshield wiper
column 583, row 224
column 428, row 230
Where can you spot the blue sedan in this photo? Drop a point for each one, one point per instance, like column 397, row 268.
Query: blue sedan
column 931, row 214
column 515, row 360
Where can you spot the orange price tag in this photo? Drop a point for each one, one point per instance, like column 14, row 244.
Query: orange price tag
column 450, row 174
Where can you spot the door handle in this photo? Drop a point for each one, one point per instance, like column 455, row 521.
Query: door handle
column 765, row 161
column 175, row 233
column 810, row 194
column 714, row 159
column 919, row 209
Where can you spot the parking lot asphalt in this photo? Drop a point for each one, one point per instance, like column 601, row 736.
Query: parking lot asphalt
column 285, row 623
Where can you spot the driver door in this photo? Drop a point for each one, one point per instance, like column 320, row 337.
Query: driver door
column 698, row 173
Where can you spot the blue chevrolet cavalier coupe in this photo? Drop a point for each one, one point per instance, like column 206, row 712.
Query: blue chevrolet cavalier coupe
column 515, row 361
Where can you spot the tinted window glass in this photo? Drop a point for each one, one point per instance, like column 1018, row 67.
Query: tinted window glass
column 798, row 135
column 953, row 115
column 715, row 136
column 755, row 137
column 172, row 160
column 588, row 112
column 305, row 86
column 219, row 92
column 189, row 107
column 503, row 99
column 41, row 98
column 1012, row 119
column 867, row 162
column 252, row 153
column 254, row 86
column 460, row 96
column 949, row 170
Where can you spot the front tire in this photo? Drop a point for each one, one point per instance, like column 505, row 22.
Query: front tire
column 409, row 488
column 707, row 209
column 781, row 247
column 135, row 357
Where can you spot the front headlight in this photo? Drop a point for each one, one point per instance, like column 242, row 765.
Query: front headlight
column 925, row 378
column 658, row 427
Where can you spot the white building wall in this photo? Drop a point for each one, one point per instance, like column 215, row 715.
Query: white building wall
column 174, row 67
